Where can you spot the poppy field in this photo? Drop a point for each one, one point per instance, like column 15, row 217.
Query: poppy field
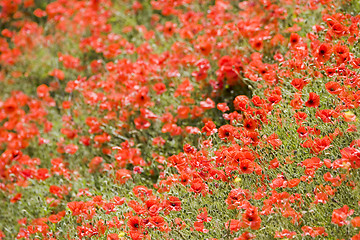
column 179, row 119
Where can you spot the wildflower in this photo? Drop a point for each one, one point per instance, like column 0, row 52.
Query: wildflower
column 122, row 175
column 340, row 215
column 241, row 103
column 251, row 218
column 333, row 87
column 313, row 101
column 135, row 223
column 226, row 132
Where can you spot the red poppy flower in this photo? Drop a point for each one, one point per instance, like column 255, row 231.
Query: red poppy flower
column 297, row 102
column 242, row 103
column 237, row 197
column 76, row 207
column 173, row 204
column 203, row 215
column 303, row 133
column 123, row 175
column 137, row 207
column 234, row 225
column 169, row 29
column 326, row 114
column 246, row 166
column 16, row 198
column 294, row 39
column 340, row 215
column 207, row 104
column 142, row 98
column 323, row 52
column 198, row 186
column 274, row 140
column 135, row 223
column 141, row 123
column 184, row 179
column 223, row 107
column 183, row 112
column 159, row 88
column 250, row 124
column 300, row 117
column 153, row 207
column 178, row 161
column 355, row 63
column 157, row 221
column 226, row 133
column 204, row 47
column 199, row 226
column 293, row 182
column 313, row 231
column 333, row 87
column 298, row 83
column 251, row 218
column 209, row 128
column 285, row 234
column 256, row 43
column 142, row 192
column 58, row 74
column 355, row 222
column 113, row 236
column 313, row 101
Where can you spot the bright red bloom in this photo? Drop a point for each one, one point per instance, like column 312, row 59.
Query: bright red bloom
column 340, row 215
column 16, row 198
column 142, row 98
column 333, row 87
column 173, row 204
column 123, row 175
column 298, row 83
column 294, row 39
column 297, row 102
column 246, row 166
column 313, row 231
column 242, row 103
column 113, row 236
column 300, row 117
column 153, row 207
column 293, row 182
column 223, row 107
column 198, row 186
column 274, row 140
column 234, row 225
column 246, row 236
column 250, row 124
column 157, row 221
column 209, row 128
column 314, row 100
column 199, row 226
column 135, row 223
column 141, row 123
column 251, row 218
column 76, row 207
column 137, row 207
column 355, row 222
column 142, row 192
column 238, row 198
column 323, row 52
column 183, row 112
column 226, row 132
column 203, row 215
column 159, row 88
column 285, row 234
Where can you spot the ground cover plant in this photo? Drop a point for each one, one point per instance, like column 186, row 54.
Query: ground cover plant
column 181, row 119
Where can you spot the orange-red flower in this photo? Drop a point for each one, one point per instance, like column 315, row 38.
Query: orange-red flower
column 313, row 101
